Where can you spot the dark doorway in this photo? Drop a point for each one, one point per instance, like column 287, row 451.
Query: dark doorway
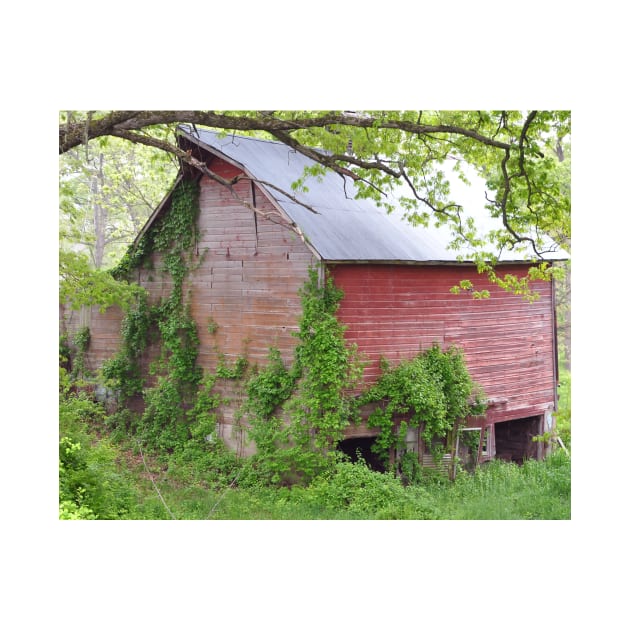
column 364, row 447
column 513, row 439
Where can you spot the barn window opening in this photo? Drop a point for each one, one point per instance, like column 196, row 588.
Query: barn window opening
column 361, row 447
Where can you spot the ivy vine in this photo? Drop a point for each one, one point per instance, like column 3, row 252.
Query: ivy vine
column 329, row 368
column 81, row 342
column 122, row 372
column 165, row 420
column 175, row 230
column 434, row 391
column 298, row 415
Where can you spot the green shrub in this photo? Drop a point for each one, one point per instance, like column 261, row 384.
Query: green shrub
column 90, row 484
column 434, row 389
column 198, row 461
column 355, row 488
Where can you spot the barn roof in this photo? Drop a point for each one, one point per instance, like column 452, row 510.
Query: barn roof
column 344, row 228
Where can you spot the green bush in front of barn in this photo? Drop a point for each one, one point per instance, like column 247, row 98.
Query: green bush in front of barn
column 353, row 488
column 91, row 483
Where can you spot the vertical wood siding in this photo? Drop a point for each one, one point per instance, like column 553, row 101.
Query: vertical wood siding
column 396, row 311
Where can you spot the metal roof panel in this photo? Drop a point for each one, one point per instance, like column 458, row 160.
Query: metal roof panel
column 344, row 227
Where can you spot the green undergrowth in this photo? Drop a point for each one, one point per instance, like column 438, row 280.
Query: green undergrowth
column 505, row 490
column 498, row 491
column 113, row 480
column 563, row 415
column 92, row 483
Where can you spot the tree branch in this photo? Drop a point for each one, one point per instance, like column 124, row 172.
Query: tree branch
column 507, row 133
column 72, row 134
column 187, row 157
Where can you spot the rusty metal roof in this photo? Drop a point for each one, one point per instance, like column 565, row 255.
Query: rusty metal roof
column 344, row 228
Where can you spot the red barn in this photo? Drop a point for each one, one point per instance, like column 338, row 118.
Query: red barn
column 256, row 245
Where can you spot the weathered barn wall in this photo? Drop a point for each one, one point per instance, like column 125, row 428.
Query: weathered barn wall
column 253, row 267
column 104, row 331
column 396, row 311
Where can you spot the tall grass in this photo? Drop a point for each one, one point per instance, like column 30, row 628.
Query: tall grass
column 496, row 491
column 504, row 490
column 563, row 415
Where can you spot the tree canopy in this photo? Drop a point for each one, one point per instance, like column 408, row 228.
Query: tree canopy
column 395, row 153
column 403, row 159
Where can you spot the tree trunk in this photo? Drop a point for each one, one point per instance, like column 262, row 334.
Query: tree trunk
column 100, row 216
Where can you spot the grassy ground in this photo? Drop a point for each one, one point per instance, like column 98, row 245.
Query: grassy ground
column 497, row 491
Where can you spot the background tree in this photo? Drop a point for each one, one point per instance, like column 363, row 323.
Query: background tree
column 563, row 284
column 107, row 192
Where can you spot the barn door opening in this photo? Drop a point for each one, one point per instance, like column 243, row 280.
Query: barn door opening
column 514, row 439
column 361, row 446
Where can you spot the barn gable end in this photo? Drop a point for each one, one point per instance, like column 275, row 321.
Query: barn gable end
column 245, row 273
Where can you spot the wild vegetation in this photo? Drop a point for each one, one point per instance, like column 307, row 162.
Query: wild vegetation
column 105, row 476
